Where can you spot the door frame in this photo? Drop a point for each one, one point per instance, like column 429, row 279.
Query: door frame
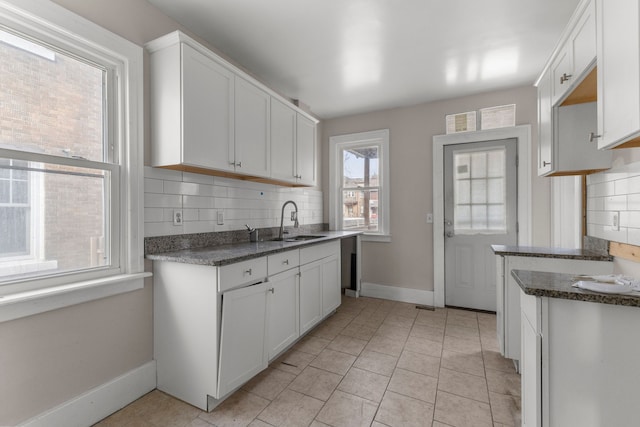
column 523, row 135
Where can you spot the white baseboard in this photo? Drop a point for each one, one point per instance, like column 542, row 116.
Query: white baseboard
column 100, row 402
column 394, row 293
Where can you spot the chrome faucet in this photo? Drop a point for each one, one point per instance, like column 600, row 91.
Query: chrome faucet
column 294, row 217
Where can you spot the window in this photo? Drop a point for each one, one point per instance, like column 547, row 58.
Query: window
column 359, row 175
column 70, row 151
column 479, row 191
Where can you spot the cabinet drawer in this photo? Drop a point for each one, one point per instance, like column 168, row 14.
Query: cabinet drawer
column 282, row 261
column 320, row 251
column 242, row 273
column 531, row 310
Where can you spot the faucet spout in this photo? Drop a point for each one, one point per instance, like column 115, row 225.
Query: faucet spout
column 294, row 217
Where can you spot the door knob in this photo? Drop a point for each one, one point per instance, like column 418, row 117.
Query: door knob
column 449, row 234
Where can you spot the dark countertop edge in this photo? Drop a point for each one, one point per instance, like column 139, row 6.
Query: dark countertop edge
column 220, row 255
column 566, row 291
column 542, row 252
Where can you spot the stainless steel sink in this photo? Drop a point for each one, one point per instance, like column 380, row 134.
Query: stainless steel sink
column 302, row 237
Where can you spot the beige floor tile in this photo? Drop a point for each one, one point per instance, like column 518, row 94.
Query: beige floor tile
column 317, row 423
column 360, row 331
column 340, row 319
column 461, row 412
column 428, row 332
column 420, row 363
column 505, row 409
column 312, row 345
column 377, row 424
column 238, row 410
column 466, row 322
column 435, row 318
column 414, row 385
column 393, row 332
column 503, row 382
column 469, row 314
column 465, row 385
column 160, row 408
column 326, row 331
column 461, row 345
column 347, row 344
column 199, row 422
column 423, row 346
column 439, row 424
column 333, row 361
column 461, row 362
column 385, row 345
column 347, row 410
column 291, row 408
column 489, row 342
column 494, row 360
column 379, row 363
column 409, row 311
column 365, row 384
column 316, row 383
column 399, row 410
column 293, row 361
column 462, row 332
column 398, row 320
column 257, row 423
column 269, row 383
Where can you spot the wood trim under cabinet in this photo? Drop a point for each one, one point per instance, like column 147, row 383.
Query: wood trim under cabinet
column 624, row 250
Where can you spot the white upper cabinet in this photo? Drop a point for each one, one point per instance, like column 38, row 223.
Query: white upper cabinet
column 306, row 151
column 567, row 111
column 283, row 141
column 252, row 147
column 191, row 109
column 207, row 116
column 618, row 73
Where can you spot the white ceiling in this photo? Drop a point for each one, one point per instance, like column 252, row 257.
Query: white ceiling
column 350, row 56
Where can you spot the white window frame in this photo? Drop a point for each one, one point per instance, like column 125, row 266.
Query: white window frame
column 46, row 21
column 380, row 139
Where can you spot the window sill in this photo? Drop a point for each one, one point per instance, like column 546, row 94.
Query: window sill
column 15, row 306
column 384, row 238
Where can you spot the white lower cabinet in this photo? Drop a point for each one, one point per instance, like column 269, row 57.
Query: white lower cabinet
column 217, row 327
column 283, row 309
column 579, row 363
column 242, row 336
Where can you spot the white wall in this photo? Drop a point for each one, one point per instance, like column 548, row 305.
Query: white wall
column 408, row 260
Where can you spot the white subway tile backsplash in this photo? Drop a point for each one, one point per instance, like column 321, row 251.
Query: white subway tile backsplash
column 633, row 202
column 200, row 197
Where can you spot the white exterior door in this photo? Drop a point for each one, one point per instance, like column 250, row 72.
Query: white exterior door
column 480, row 195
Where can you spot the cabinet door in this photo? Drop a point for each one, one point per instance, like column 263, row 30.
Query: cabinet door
column 242, row 336
column 583, row 41
column 207, row 107
column 331, row 288
column 283, row 141
column 310, row 295
column 531, row 374
column 545, row 125
column 561, row 74
column 252, row 147
column 306, row 151
column 283, row 327
column 618, row 71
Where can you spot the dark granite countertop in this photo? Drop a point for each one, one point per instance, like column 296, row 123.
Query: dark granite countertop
column 236, row 252
column 540, row 252
column 558, row 285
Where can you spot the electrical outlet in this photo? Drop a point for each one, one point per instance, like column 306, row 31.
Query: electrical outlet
column 616, row 221
column 177, row 217
column 220, row 215
column 429, row 218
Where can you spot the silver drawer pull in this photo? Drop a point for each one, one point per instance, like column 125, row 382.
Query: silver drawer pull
column 285, row 262
column 564, row 78
column 272, row 290
column 593, row 136
column 545, row 163
column 248, row 272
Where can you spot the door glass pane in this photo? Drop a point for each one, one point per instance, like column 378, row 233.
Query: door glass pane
column 479, row 191
column 51, row 102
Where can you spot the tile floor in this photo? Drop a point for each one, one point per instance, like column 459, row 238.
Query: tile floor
column 373, row 363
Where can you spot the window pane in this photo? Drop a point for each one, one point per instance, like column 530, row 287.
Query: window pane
column 462, row 218
column 360, row 210
column 496, row 163
column 20, row 192
column 479, row 165
column 51, row 103
column 479, row 217
column 62, row 228
column 462, row 192
column 498, row 218
column 5, row 191
column 361, row 167
column 462, row 162
column 14, row 231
